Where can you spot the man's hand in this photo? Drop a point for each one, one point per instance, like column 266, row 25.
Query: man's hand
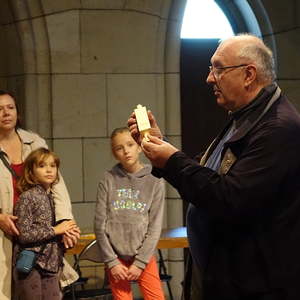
column 119, row 272
column 158, row 151
column 134, row 273
column 7, row 224
column 133, row 128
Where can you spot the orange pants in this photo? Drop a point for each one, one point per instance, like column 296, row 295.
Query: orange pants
column 149, row 283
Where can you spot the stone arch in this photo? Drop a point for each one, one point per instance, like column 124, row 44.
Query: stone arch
column 249, row 16
column 244, row 16
column 28, row 70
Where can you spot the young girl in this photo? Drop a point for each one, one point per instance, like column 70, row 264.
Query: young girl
column 128, row 220
column 37, row 228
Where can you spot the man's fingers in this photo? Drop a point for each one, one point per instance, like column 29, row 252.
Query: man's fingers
column 131, row 123
column 147, row 147
column 132, row 116
column 155, row 139
column 152, row 145
column 132, row 120
column 152, row 119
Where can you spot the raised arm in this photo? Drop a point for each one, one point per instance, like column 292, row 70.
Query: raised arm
column 154, row 131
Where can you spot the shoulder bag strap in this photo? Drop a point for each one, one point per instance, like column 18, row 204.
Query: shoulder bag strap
column 7, row 165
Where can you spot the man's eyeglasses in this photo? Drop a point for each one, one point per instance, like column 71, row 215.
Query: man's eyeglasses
column 216, row 70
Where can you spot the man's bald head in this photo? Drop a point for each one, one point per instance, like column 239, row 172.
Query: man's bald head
column 252, row 50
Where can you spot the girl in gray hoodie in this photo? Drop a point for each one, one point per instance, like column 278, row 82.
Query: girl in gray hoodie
column 128, row 220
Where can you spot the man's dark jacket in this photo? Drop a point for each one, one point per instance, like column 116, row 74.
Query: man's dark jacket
column 253, row 203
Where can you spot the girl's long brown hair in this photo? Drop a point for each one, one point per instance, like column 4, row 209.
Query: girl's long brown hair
column 28, row 179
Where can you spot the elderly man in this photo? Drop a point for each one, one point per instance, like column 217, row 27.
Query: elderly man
column 244, row 194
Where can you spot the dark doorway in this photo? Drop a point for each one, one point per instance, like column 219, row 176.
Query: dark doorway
column 201, row 117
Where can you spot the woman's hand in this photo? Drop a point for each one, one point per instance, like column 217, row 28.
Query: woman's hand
column 119, row 272
column 7, row 224
column 134, row 273
column 64, row 227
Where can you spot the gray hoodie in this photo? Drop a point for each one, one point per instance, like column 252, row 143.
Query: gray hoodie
column 129, row 214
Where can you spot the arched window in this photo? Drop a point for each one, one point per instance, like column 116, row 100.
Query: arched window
column 203, row 19
column 204, row 23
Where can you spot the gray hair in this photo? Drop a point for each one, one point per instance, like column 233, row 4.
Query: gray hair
column 262, row 56
column 258, row 53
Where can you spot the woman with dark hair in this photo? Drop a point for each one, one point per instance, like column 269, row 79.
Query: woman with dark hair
column 15, row 145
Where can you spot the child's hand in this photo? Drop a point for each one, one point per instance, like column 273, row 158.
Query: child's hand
column 64, row 226
column 119, row 272
column 71, row 237
column 134, row 273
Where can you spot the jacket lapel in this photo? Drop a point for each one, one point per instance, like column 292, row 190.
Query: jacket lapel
column 228, row 157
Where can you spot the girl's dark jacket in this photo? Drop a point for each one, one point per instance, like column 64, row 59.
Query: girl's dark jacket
column 252, row 202
column 36, row 218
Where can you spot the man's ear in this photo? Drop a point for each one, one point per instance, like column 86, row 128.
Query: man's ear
column 250, row 74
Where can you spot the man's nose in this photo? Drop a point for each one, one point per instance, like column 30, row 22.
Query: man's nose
column 210, row 78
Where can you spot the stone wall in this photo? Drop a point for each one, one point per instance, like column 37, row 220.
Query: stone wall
column 79, row 67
